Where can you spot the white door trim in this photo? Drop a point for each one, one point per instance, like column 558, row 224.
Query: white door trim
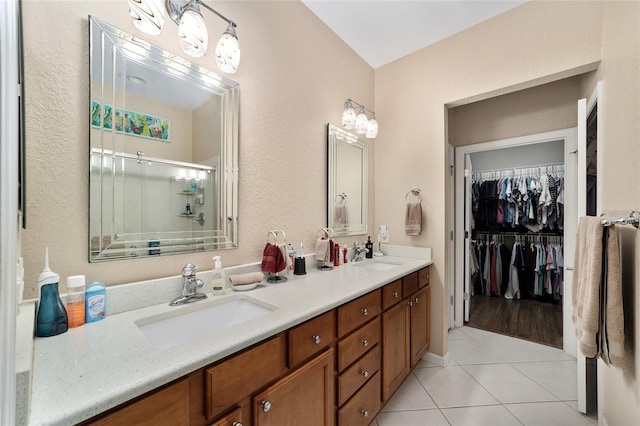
column 461, row 152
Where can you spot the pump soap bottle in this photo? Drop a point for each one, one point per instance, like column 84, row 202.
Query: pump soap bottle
column 369, row 246
column 218, row 280
column 51, row 319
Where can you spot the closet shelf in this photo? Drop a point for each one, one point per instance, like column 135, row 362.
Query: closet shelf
column 186, row 193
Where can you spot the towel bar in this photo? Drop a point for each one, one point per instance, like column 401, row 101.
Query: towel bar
column 633, row 219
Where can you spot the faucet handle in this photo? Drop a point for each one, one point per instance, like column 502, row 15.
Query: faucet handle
column 189, row 270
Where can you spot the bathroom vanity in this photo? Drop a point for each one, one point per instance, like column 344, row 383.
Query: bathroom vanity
column 329, row 348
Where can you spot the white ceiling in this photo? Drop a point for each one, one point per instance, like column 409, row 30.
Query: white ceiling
column 381, row 31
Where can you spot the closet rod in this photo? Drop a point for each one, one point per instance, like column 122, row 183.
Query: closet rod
column 519, row 234
column 537, row 166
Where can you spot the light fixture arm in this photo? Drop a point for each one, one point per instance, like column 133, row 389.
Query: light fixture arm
column 360, row 105
column 176, row 8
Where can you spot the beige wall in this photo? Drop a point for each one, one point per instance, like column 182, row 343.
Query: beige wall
column 531, row 44
column 295, row 76
column 551, row 106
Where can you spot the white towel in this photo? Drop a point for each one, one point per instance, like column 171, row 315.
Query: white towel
column 413, row 219
column 322, row 250
column 612, row 327
column 586, row 284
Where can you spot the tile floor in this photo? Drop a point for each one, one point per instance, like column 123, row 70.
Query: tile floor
column 491, row 379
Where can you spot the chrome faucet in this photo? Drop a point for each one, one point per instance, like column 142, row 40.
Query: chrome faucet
column 190, row 286
column 358, row 251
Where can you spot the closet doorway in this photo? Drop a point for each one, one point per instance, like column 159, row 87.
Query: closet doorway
column 537, row 313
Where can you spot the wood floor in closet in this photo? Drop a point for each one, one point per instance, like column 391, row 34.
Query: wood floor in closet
column 527, row 319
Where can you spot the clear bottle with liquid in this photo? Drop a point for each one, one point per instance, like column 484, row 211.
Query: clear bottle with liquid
column 218, row 280
column 75, row 300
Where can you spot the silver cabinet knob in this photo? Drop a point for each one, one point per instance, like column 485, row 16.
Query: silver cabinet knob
column 365, row 413
column 266, row 406
column 410, row 303
column 236, row 424
column 365, row 342
column 416, row 300
column 396, row 294
column 316, row 339
column 365, row 373
column 365, row 312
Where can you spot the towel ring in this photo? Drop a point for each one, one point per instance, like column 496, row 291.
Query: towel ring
column 325, row 233
column 414, row 191
column 275, row 233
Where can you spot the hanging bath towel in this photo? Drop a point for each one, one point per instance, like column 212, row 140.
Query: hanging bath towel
column 413, row 219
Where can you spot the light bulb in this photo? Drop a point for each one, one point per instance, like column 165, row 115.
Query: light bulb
column 147, row 15
column 193, row 34
column 228, row 51
column 372, row 127
column 348, row 116
column 361, row 122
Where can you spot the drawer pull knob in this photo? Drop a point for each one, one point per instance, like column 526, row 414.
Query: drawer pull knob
column 416, row 300
column 236, row 424
column 396, row 294
column 365, row 312
column 365, row 373
column 365, row 413
column 266, row 406
column 365, row 342
column 410, row 303
column 316, row 339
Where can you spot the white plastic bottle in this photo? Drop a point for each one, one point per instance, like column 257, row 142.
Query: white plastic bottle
column 218, row 280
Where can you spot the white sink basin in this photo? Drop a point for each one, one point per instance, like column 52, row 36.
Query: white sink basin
column 195, row 322
column 377, row 265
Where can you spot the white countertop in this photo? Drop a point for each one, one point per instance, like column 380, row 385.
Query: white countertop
column 98, row 366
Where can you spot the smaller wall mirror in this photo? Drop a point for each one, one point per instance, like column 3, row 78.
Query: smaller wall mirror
column 347, row 182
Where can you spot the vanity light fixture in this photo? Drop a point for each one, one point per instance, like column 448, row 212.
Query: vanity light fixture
column 362, row 124
column 148, row 17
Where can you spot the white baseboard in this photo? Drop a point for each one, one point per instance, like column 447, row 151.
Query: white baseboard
column 438, row 360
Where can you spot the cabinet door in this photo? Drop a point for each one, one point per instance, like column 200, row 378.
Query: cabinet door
column 304, row 397
column 395, row 348
column 419, row 324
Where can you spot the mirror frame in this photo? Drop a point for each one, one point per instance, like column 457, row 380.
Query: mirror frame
column 227, row 197
column 336, row 136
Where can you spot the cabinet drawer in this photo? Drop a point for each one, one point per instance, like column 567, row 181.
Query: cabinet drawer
column 357, row 312
column 352, row 348
column 239, row 376
column 358, row 374
column 391, row 294
column 409, row 284
column 423, row 277
column 238, row 417
column 363, row 407
column 311, row 337
column 169, row 405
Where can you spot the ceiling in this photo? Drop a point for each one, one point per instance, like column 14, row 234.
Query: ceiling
column 381, row 31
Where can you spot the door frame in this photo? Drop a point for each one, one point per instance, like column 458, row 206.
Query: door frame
column 461, row 267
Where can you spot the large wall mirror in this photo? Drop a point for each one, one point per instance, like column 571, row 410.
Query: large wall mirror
column 347, row 182
column 163, row 151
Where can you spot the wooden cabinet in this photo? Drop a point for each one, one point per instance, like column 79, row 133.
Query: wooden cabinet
column 409, row 284
column 420, row 311
column 396, row 343
column 355, row 345
column 304, row 397
column 391, row 294
column 358, row 374
column 169, row 405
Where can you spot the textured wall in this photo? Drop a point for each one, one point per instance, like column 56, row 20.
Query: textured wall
column 294, row 77
column 527, row 44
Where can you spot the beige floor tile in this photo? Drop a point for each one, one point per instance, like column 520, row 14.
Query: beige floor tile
column 488, row 415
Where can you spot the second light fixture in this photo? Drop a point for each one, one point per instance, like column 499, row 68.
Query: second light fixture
column 361, row 124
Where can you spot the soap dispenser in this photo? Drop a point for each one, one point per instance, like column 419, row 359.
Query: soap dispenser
column 369, row 246
column 52, row 317
column 218, row 280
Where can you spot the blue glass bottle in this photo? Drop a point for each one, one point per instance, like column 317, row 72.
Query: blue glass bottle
column 52, row 317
